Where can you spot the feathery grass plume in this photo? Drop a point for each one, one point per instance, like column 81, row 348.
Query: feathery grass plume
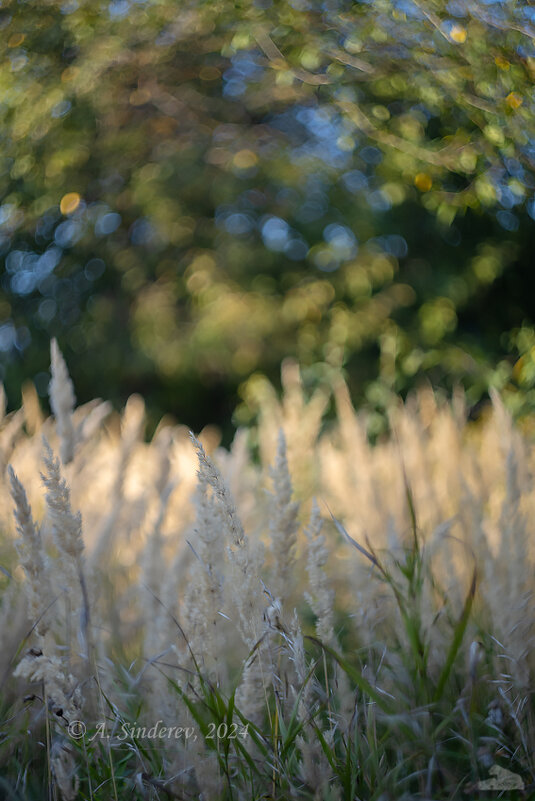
column 245, row 584
column 14, row 627
column 67, row 525
column 62, row 400
column 64, row 770
column 67, row 531
column 31, row 407
column 204, row 594
column 95, row 415
column 321, row 595
column 300, row 417
column 515, row 619
column 32, row 558
column 303, row 418
column 283, row 523
column 321, row 598
column 253, row 689
column 153, row 552
column 162, row 443
column 207, row 773
column 259, row 675
column 244, row 587
column 157, row 634
column 153, row 564
column 62, row 689
column 10, row 434
column 132, row 423
column 314, row 768
column 208, row 473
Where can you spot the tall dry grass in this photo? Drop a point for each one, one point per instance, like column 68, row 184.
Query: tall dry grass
column 353, row 621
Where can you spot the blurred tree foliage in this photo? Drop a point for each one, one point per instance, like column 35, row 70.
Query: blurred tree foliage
column 190, row 192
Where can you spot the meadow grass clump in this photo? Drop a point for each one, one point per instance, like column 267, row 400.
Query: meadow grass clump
column 333, row 620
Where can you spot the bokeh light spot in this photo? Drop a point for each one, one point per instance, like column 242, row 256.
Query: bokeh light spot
column 245, row 159
column 514, row 100
column 423, row 182
column 458, row 34
column 16, row 40
column 502, row 63
column 107, row 224
column 69, row 203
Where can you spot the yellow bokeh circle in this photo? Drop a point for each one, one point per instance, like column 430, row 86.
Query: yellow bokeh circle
column 69, row 202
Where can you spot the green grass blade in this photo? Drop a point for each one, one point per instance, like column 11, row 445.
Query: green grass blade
column 457, row 639
column 355, row 675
